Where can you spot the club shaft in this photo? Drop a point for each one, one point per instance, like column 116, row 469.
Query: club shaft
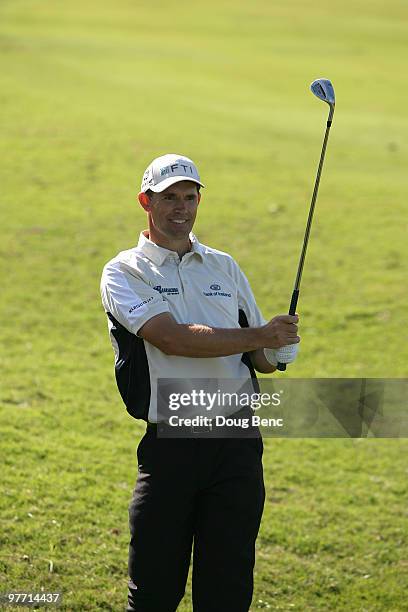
column 313, row 202
column 295, row 295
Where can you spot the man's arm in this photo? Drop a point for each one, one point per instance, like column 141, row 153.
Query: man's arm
column 195, row 340
column 261, row 363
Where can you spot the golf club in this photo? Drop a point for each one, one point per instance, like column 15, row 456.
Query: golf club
column 322, row 89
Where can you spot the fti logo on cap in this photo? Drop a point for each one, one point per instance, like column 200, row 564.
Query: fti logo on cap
column 169, row 169
column 175, row 169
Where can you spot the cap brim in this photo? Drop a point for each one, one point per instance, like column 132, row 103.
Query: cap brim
column 170, row 181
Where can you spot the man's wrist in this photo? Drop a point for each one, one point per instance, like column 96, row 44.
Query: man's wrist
column 256, row 338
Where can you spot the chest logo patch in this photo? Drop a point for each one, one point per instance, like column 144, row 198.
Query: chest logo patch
column 216, row 291
column 168, row 290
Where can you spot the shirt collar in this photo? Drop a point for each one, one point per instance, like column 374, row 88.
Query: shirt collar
column 158, row 254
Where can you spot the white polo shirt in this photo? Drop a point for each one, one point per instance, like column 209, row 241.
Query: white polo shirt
column 205, row 287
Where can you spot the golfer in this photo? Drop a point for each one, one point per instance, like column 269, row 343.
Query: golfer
column 181, row 310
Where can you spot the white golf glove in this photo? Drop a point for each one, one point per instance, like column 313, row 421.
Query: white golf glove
column 286, row 354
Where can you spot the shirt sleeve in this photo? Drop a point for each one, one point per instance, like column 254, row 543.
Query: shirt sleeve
column 247, row 302
column 129, row 299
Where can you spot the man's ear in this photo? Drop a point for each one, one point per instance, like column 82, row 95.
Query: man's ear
column 199, row 197
column 144, row 201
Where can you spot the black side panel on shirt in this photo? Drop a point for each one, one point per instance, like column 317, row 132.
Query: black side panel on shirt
column 243, row 322
column 131, row 370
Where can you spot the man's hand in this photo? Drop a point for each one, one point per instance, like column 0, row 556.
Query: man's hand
column 281, row 331
column 286, row 354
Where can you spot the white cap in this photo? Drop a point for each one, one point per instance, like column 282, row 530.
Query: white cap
column 167, row 170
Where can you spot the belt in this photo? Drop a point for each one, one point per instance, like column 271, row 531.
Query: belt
column 193, row 429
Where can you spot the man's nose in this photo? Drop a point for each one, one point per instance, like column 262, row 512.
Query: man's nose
column 180, row 204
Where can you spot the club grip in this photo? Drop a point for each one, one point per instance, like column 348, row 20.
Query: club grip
column 292, row 311
column 293, row 302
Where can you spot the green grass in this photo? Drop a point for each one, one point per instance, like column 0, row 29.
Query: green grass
column 90, row 93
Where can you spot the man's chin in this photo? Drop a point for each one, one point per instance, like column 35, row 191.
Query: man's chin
column 180, row 230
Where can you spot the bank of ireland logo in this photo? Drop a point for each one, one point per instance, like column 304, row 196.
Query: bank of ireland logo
column 216, row 291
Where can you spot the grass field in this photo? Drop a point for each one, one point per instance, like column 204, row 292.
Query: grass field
column 90, row 92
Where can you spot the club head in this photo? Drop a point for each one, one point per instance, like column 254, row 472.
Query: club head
column 323, row 89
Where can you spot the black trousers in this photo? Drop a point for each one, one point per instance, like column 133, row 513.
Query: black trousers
column 203, row 492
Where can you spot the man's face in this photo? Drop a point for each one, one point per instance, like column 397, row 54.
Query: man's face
column 173, row 211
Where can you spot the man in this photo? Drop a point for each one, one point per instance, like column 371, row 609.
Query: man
column 179, row 309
